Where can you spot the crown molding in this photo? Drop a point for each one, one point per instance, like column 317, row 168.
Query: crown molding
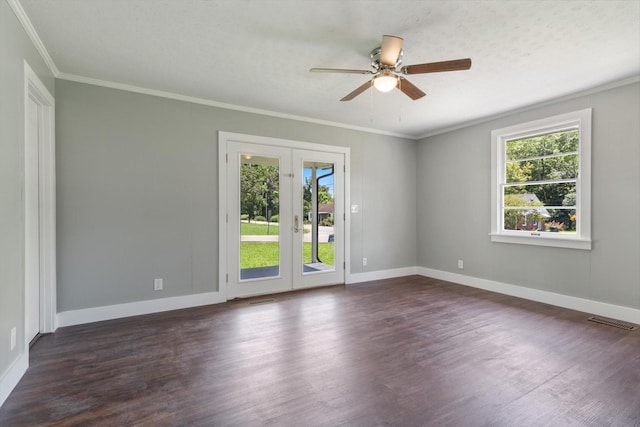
column 211, row 103
column 35, row 38
column 37, row 42
column 33, row 35
column 600, row 88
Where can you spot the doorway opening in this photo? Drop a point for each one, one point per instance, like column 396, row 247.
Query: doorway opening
column 283, row 205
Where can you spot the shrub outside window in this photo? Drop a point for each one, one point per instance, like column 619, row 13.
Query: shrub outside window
column 541, row 182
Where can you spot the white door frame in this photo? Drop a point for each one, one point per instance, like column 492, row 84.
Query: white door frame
column 34, row 89
column 223, row 139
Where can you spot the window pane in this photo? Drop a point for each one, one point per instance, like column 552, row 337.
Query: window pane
column 543, row 145
column 550, row 168
column 318, row 208
column 259, row 208
column 562, row 194
column 551, row 220
column 534, row 207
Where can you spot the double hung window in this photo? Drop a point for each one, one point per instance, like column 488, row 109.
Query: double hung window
column 541, row 182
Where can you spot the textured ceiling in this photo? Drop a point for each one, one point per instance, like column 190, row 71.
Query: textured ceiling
column 256, row 54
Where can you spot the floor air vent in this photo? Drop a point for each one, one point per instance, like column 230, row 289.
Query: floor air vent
column 614, row 323
column 262, row 301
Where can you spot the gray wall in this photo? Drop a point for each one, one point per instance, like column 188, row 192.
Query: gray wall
column 137, row 192
column 15, row 48
column 454, row 190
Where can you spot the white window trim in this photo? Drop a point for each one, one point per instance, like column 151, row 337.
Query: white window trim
column 582, row 238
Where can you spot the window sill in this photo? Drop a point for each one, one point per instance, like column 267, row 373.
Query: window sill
column 553, row 242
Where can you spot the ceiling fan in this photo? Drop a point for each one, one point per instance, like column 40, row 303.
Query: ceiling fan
column 386, row 61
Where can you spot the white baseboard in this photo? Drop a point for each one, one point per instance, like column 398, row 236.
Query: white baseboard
column 96, row 314
column 613, row 311
column 381, row 274
column 108, row 312
column 117, row 311
column 12, row 376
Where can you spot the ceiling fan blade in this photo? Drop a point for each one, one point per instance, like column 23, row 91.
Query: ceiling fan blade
column 390, row 50
column 436, row 67
column 339, row 70
column 410, row 89
column 358, row 91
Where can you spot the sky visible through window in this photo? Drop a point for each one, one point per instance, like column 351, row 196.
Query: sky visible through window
column 328, row 181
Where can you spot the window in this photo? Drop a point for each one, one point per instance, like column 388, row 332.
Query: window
column 541, row 182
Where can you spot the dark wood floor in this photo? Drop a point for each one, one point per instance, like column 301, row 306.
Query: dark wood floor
column 408, row 352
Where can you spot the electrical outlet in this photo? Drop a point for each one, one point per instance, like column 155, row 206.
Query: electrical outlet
column 13, row 338
column 157, row 284
column 364, row 262
column 460, row 264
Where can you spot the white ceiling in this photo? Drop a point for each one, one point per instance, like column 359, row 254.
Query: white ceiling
column 256, row 54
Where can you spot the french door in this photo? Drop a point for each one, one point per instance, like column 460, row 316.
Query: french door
column 285, row 223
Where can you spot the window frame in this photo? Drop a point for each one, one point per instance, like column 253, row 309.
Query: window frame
column 580, row 120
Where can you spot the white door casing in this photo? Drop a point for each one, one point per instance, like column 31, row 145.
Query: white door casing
column 40, row 207
column 31, row 223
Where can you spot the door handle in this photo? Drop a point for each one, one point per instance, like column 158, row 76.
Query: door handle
column 296, row 228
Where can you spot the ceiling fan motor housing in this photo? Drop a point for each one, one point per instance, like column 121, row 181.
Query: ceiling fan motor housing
column 375, row 60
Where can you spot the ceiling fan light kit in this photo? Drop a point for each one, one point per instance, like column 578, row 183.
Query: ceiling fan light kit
column 386, row 81
column 386, row 61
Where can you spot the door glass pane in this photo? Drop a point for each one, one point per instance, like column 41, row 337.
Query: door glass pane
column 259, row 214
column 318, row 208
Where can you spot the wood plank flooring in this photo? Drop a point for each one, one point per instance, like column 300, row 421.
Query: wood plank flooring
column 411, row 351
